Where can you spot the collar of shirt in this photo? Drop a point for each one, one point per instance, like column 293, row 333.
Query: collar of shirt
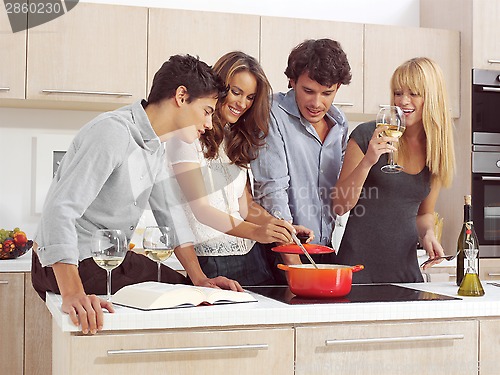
column 147, row 137
column 289, row 105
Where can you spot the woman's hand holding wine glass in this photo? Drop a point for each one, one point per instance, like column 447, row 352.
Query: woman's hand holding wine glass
column 392, row 119
column 109, row 247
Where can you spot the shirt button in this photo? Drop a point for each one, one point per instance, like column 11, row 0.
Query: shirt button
column 135, row 203
column 131, row 227
column 321, row 170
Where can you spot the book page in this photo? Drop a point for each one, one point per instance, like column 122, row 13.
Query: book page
column 152, row 295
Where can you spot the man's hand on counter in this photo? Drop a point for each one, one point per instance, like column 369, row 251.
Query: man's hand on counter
column 83, row 309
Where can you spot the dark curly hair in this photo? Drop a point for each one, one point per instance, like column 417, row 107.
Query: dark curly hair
column 243, row 138
column 323, row 60
column 189, row 71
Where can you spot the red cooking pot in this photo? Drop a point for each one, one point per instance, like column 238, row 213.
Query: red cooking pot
column 328, row 280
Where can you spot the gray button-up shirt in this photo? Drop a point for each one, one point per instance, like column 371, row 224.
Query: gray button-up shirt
column 295, row 172
column 114, row 167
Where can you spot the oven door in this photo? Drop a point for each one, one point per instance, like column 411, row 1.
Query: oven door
column 486, row 213
column 485, row 104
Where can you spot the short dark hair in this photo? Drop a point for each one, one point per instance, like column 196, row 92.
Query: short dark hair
column 323, row 60
column 189, row 71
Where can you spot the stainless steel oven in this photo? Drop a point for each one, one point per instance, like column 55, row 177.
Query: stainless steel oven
column 486, row 160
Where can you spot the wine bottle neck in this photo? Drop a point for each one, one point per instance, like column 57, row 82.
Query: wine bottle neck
column 467, row 214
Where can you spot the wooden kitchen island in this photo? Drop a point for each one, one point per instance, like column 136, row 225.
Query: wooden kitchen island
column 271, row 337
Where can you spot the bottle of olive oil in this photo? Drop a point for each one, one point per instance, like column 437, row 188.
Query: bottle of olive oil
column 468, row 257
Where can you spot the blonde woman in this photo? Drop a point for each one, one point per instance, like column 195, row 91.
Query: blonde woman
column 390, row 212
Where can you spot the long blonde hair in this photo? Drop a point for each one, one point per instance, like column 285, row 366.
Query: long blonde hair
column 424, row 77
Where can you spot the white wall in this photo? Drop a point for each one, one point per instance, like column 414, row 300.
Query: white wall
column 386, row 12
column 20, row 127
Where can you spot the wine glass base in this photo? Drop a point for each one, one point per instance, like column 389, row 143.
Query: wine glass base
column 391, row 168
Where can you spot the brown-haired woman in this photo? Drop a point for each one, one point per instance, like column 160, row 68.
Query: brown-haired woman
column 213, row 179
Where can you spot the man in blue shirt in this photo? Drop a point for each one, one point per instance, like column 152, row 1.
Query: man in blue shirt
column 297, row 168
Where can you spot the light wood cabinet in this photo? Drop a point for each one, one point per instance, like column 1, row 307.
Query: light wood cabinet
column 386, row 47
column 489, row 335
column 489, row 269
column 94, row 53
column 208, row 35
column 485, row 31
column 12, row 323
column 13, row 66
column 37, row 332
column 252, row 351
column 280, row 35
column 430, row 347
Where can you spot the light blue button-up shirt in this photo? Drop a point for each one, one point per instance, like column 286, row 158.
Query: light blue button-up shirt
column 295, row 172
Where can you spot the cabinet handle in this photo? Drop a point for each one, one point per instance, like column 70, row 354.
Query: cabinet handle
column 4, row 88
column 491, row 89
column 494, row 61
column 380, row 340
column 344, row 104
column 192, row 349
column 3, row 282
column 83, row 92
column 493, row 274
column 490, row 178
column 383, row 105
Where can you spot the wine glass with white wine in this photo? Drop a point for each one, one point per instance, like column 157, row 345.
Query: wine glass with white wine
column 158, row 244
column 109, row 247
column 392, row 117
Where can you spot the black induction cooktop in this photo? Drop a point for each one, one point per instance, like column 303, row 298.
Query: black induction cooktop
column 359, row 293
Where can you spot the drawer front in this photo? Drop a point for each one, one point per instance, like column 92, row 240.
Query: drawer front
column 12, row 325
column 268, row 351
column 489, row 269
column 378, row 348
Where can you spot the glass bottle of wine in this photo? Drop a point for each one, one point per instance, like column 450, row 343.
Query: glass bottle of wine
column 462, row 239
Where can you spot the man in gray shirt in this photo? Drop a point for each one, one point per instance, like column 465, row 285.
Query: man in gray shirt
column 114, row 167
column 298, row 166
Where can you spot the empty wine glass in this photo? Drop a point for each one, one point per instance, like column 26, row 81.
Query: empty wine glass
column 109, row 247
column 392, row 117
column 158, row 243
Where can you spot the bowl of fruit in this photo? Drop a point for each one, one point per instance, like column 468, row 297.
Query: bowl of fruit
column 13, row 243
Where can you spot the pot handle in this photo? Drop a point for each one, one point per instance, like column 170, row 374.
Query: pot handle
column 357, row 268
column 283, row 267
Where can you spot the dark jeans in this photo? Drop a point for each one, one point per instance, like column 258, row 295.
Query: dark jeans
column 249, row 270
column 135, row 268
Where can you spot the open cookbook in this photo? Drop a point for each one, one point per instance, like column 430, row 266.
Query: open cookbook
column 152, row 295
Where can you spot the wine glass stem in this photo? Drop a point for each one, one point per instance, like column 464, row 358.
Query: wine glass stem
column 159, row 271
column 390, row 157
column 108, row 285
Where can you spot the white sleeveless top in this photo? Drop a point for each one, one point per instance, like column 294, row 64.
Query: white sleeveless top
column 225, row 183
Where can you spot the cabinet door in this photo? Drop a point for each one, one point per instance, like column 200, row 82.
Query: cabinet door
column 13, row 66
column 485, row 31
column 208, row 35
column 12, row 323
column 489, row 269
column 387, row 47
column 37, row 332
column 388, row 348
column 262, row 351
column 489, row 334
column 94, row 53
column 280, row 35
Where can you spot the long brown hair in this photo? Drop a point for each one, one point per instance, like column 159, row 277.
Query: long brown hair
column 243, row 138
column 424, row 77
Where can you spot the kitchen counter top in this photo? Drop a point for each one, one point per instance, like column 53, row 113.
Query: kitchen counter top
column 270, row 312
column 21, row 264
